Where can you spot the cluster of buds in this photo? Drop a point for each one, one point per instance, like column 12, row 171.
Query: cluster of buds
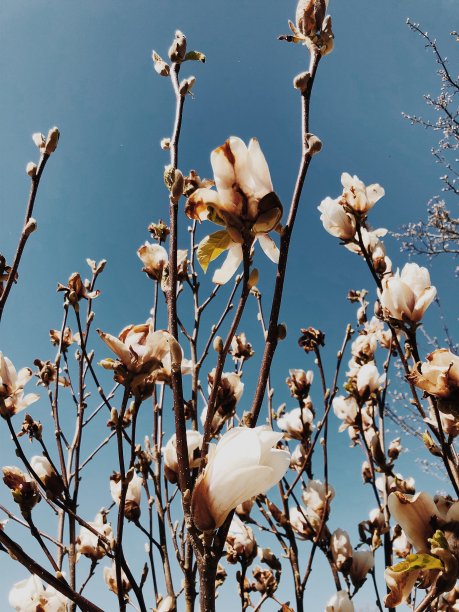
column 46, row 145
column 313, row 26
column 48, row 373
column 159, row 231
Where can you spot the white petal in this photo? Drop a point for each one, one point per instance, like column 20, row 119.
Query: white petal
column 269, row 247
column 230, row 265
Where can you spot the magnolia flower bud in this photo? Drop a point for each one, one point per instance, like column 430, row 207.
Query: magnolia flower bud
column 23, row 489
column 366, row 472
column 110, row 579
column 186, row 85
column 160, row 66
column 369, row 380
column 298, row 423
column 242, row 465
column 30, row 596
column 439, row 376
column 310, row 15
column 266, row 556
column 341, row 550
column 265, row 582
column 154, row 258
column 133, row 494
column 51, row 141
column 45, row 472
column 30, row 227
column 218, row 344
column 362, row 562
column 177, row 50
column 31, row 169
column 194, row 443
column 300, row 383
column 301, row 81
column 336, row 220
column 314, row 144
column 165, row 144
column 177, row 186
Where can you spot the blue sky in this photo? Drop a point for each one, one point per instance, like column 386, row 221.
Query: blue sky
column 86, row 67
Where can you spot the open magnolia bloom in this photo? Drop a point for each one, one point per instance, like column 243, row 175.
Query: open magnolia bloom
column 336, row 220
column 357, row 196
column 144, row 356
column 88, row 544
column 30, row 595
column 12, row 383
column 297, row 423
column 315, row 495
column 110, row 579
column 407, row 295
column 240, row 542
column 439, row 376
column 362, row 562
column 244, row 202
column 194, row 443
column 341, row 550
column 243, row 464
column 369, row 380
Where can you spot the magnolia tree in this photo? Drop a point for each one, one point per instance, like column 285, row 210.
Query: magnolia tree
column 202, row 494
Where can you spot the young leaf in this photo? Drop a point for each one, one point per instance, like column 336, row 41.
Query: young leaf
column 195, row 56
column 211, row 247
column 418, row 561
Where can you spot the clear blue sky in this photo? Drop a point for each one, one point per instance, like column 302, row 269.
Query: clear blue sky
column 86, row 67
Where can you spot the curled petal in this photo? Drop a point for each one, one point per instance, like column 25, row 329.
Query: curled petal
column 230, row 265
column 269, row 247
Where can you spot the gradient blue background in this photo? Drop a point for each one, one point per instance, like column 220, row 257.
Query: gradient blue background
column 86, row 68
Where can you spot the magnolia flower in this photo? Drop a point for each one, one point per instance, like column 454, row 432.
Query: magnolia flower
column 369, row 380
column 144, row 356
column 240, row 347
column 194, row 442
column 407, row 295
column 415, row 514
column 23, row 488
column 340, row 602
column 154, row 258
column 341, row 550
column 243, row 464
column 364, row 347
column 357, row 196
column 229, row 393
column 133, row 495
column 304, row 521
column 300, row 383
column 400, row 585
column 244, row 203
column 336, row 220
column 297, row 457
column 167, row 604
column 45, row 472
column 297, row 423
column 346, row 409
column 362, row 562
column 315, row 495
column 88, row 544
column 240, row 542
column 12, row 383
column 439, row 376
column 265, row 581
column 30, row 595
column 110, row 579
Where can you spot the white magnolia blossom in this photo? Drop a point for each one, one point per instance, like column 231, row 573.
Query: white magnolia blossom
column 304, row 521
column 439, row 376
column 297, row 457
column 340, row 602
column 42, row 467
column 407, row 295
column 194, row 443
column 243, row 464
column 12, row 383
column 315, row 494
column 383, row 335
column 240, row 539
column 30, row 595
column 110, row 579
column 154, row 258
column 297, row 423
column 368, row 379
column 362, row 562
column 88, row 544
column 346, row 409
column 244, row 201
column 336, row 220
column 364, row 346
column 133, row 495
column 357, row 195
column 341, row 549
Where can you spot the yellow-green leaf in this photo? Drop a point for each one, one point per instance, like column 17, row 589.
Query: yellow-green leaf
column 195, row 56
column 418, row 561
column 211, row 247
